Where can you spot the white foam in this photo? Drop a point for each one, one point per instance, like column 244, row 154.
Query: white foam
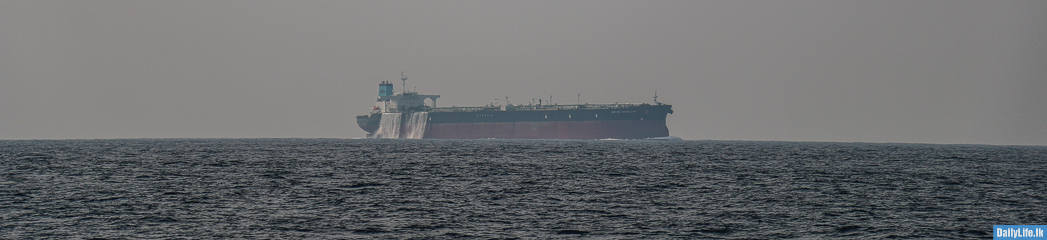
column 415, row 126
column 389, row 127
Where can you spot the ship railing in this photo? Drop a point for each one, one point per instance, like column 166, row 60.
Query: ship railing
column 463, row 109
column 578, row 106
column 539, row 107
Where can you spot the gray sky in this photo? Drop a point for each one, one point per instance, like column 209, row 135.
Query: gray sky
column 869, row 71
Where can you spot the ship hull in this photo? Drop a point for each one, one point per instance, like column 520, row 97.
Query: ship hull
column 621, row 129
column 369, row 123
column 639, row 122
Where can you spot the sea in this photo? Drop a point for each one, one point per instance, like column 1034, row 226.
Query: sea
column 513, row 189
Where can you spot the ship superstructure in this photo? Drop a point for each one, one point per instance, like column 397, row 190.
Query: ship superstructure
column 403, row 102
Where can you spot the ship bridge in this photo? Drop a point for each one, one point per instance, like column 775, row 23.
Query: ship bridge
column 405, row 102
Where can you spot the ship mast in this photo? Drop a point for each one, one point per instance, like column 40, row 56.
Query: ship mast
column 404, row 79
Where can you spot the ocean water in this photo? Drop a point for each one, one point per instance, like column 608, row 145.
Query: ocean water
column 504, row 189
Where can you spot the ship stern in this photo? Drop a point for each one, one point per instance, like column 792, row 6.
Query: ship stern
column 369, row 123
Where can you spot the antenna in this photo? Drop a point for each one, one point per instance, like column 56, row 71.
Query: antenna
column 404, row 79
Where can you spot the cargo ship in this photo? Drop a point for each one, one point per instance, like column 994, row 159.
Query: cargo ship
column 410, row 115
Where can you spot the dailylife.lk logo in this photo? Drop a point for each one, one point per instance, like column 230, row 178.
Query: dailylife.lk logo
column 1018, row 232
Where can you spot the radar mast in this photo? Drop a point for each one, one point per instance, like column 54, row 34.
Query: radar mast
column 404, row 79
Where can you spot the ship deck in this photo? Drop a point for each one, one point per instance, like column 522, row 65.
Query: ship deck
column 539, row 107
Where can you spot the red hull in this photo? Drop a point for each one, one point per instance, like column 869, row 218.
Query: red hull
column 624, row 129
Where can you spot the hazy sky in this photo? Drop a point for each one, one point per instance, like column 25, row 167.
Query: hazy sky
column 868, row 71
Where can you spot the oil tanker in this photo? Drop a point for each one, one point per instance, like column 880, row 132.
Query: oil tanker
column 409, row 115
